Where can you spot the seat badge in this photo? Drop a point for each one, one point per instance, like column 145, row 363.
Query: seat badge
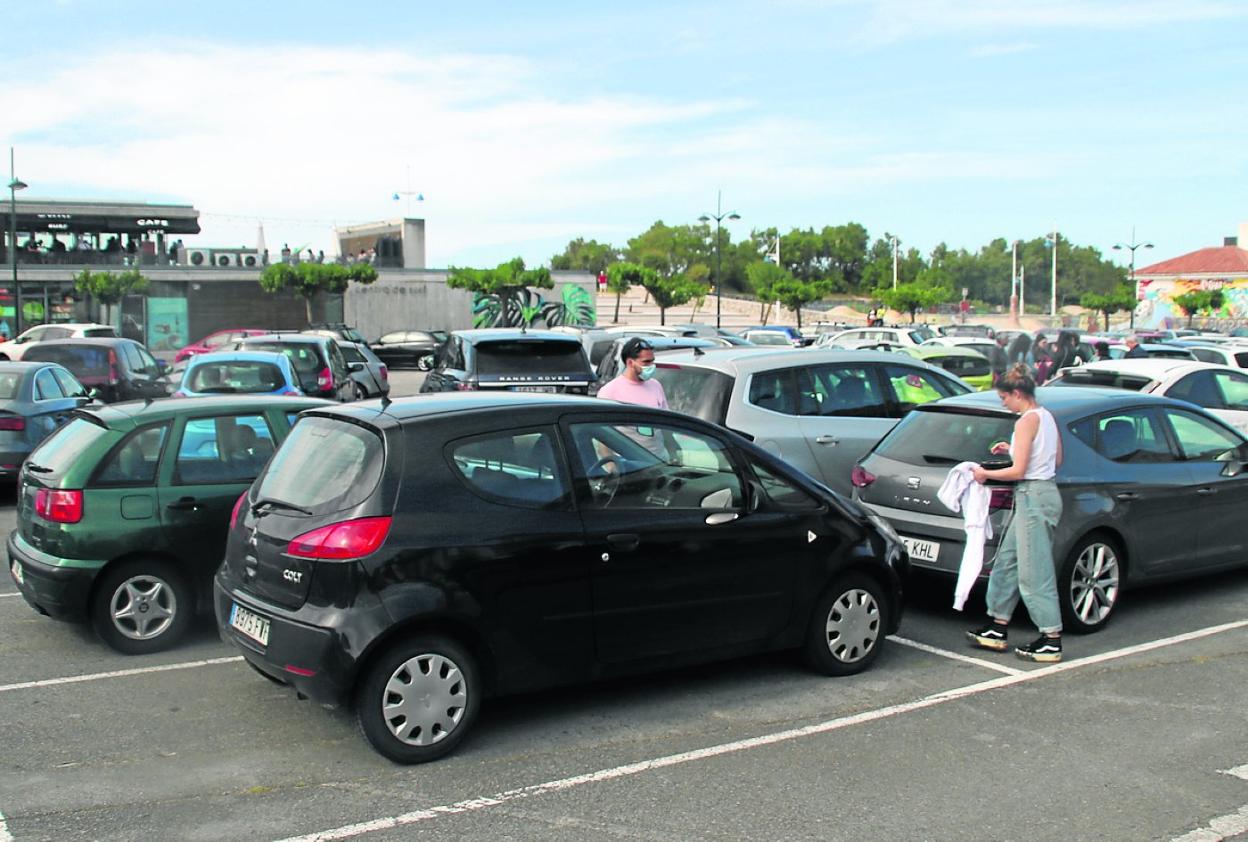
column 913, row 482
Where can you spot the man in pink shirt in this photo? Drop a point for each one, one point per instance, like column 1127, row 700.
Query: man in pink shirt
column 634, row 385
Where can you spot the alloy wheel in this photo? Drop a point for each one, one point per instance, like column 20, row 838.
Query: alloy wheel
column 143, row 607
column 1094, row 583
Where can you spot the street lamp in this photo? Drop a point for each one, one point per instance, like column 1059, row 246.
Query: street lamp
column 719, row 216
column 1053, row 238
column 1132, row 246
column 14, row 185
column 1014, row 282
column 893, row 241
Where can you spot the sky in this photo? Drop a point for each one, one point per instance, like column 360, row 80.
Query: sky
column 526, row 125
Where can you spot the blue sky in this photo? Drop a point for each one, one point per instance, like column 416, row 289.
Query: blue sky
column 528, row 124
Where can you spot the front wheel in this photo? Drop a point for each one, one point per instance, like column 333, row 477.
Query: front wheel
column 1089, row 583
column 142, row 606
column 847, row 626
column 424, row 362
column 359, row 393
column 419, row 699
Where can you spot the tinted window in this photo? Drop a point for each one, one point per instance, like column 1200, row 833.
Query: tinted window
column 99, row 332
column 1099, row 377
column 1241, row 359
column 1234, row 389
column 82, row 360
column 774, row 390
column 69, row 385
column 64, row 447
column 1132, row 436
column 696, row 391
column 302, row 355
column 530, row 357
column 845, row 391
column 10, row 385
column 324, row 465
column 1208, row 355
column 352, row 355
column 782, row 493
column 1200, row 439
column 135, row 460
column 518, row 468
column 223, row 449
column 962, row 366
column 913, row 387
column 218, row 339
column 945, row 438
column 238, row 376
column 1200, row 388
column 46, row 387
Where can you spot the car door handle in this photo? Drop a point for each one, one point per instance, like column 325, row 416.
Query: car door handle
column 624, row 541
column 1126, row 495
column 826, row 440
column 185, row 504
column 716, row 518
column 1206, row 491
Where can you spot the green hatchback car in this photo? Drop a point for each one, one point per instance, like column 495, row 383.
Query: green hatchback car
column 123, row 512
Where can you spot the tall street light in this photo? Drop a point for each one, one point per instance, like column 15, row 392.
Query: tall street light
column 1014, row 282
column 14, row 186
column 894, row 242
column 1053, row 238
column 1132, row 246
column 719, row 216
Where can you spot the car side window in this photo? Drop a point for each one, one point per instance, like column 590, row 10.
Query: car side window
column 914, row 386
column 69, row 384
column 1234, row 388
column 135, row 459
column 518, row 468
column 46, row 387
column 781, row 493
column 1200, row 439
column 1133, row 436
column 844, row 391
column 1200, row 388
column 58, row 333
column 630, row 466
column 774, row 390
column 223, row 449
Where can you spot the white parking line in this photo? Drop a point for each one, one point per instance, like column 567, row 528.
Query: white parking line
column 1223, row 827
column 5, row 836
column 6, row 595
column 1238, row 771
column 77, row 679
column 955, row 656
column 481, row 803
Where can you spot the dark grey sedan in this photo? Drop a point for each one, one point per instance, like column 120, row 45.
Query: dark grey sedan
column 1153, row 489
column 35, row 399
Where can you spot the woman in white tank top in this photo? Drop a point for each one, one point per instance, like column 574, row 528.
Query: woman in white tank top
column 1025, row 567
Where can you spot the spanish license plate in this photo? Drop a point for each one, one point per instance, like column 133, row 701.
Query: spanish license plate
column 250, row 624
column 17, row 573
column 921, row 550
column 534, row 389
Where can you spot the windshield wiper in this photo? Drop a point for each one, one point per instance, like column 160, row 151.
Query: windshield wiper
column 270, row 504
column 38, row 469
column 940, row 460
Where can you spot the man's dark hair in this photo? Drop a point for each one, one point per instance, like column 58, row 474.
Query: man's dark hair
column 632, row 348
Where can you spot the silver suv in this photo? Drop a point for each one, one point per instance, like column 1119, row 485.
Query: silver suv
column 820, row 410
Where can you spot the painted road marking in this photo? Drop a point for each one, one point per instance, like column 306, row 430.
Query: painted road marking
column 6, row 595
column 1223, row 827
column 5, row 836
column 78, row 679
column 956, row 656
column 1238, row 771
column 474, row 804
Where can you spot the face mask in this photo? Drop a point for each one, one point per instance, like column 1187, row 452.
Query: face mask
column 647, row 371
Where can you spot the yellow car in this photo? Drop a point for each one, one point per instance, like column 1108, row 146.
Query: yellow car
column 970, row 366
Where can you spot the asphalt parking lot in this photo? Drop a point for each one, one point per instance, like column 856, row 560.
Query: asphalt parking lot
column 1142, row 733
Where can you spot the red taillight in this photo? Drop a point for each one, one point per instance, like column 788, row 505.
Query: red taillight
column 348, row 539
column 306, row 673
column 466, row 387
column 59, row 506
column 113, row 377
column 1000, row 497
column 15, row 423
column 325, row 380
column 385, row 373
column 861, row 477
column 238, row 507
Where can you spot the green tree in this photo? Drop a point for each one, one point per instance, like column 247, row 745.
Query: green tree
column 503, row 293
column 108, row 289
column 912, row 297
column 794, row 293
column 763, row 277
column 1107, row 303
column 673, row 291
column 1197, row 301
column 310, row 280
column 622, row 276
column 590, row 256
column 672, row 250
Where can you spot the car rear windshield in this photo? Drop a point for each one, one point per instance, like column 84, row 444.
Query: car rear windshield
column 961, row 366
column 702, row 392
column 1113, row 379
column 82, row 360
column 240, row 376
column 302, row 355
column 62, row 449
column 325, row 465
column 531, row 356
column 99, row 331
column 10, row 383
column 943, row 437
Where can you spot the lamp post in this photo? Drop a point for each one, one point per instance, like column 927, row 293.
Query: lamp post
column 1014, row 282
column 1132, row 246
column 14, row 186
column 719, row 216
column 1053, row 238
column 894, row 242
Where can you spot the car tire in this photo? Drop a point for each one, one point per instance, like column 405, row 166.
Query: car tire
column 142, row 606
column 359, row 393
column 1089, row 583
column 847, row 626
column 428, row 669
column 424, row 362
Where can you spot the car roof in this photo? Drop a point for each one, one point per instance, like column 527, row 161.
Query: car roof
column 1154, row 367
column 133, row 413
column 21, row 366
column 84, row 340
column 293, row 336
column 238, row 356
column 743, row 360
column 441, row 403
column 508, row 334
column 1062, row 401
column 924, row 352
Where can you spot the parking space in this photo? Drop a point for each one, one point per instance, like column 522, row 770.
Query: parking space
column 1134, row 736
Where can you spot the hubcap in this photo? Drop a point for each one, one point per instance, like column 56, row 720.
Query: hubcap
column 1094, row 583
column 853, row 626
column 143, row 607
column 424, row 700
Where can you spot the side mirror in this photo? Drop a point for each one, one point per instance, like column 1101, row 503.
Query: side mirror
column 83, row 400
column 93, row 395
column 754, row 496
column 354, row 367
column 161, row 366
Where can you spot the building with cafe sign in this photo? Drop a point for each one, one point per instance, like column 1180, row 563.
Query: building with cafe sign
column 1222, row 268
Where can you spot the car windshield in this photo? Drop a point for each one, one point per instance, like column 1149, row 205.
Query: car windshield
column 324, row 466
column 942, row 437
column 769, row 337
column 962, row 366
column 702, row 392
column 64, row 447
column 236, row 376
column 302, row 355
column 531, row 356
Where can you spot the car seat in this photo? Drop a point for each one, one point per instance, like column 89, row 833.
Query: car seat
column 1118, row 439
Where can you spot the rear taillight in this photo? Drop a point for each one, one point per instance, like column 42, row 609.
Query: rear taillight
column 113, row 377
column 15, row 423
column 1000, row 497
column 59, row 506
column 861, row 477
column 325, row 380
column 348, row 539
column 385, row 373
column 466, row 387
column 238, row 507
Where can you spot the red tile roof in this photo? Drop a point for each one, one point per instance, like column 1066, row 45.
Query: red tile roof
column 1220, row 260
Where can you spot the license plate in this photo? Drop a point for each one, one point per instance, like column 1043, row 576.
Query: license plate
column 921, row 550
column 17, row 573
column 534, row 389
column 250, row 624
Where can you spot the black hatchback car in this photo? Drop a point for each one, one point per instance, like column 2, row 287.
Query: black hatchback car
column 116, row 369
column 513, row 360
column 415, row 556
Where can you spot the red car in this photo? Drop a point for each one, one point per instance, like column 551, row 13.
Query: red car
column 214, row 341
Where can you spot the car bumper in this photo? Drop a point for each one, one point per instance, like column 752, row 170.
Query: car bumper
column 946, row 534
column 50, row 585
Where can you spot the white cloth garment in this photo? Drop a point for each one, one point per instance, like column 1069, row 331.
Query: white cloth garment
column 960, row 492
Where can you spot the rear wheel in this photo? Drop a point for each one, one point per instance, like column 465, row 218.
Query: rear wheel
column 847, row 626
column 419, row 699
column 359, row 393
column 142, row 606
column 1089, row 583
column 424, row 362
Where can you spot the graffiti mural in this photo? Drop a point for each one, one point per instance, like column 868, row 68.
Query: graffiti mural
column 1157, row 309
column 527, row 308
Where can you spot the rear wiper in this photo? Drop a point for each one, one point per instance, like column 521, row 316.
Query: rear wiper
column 219, row 389
column 38, row 469
column 940, row 460
column 280, row 504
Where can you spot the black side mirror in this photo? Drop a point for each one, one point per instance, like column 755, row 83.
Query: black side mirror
column 754, row 496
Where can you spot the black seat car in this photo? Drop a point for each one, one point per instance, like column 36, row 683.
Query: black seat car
column 117, row 369
column 511, row 359
column 414, row 556
column 318, row 362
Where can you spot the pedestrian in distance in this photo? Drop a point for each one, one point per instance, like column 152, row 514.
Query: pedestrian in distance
column 634, row 384
column 1020, row 350
column 1041, row 359
column 1025, row 567
column 1134, row 350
